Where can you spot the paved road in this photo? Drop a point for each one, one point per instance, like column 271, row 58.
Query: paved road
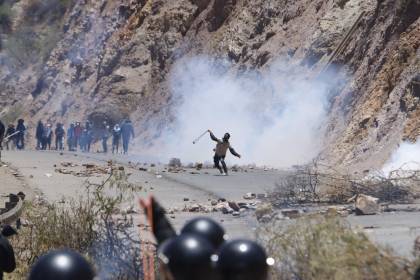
column 396, row 230
column 38, row 170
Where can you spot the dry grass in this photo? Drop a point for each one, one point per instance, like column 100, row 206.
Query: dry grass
column 93, row 225
column 326, row 248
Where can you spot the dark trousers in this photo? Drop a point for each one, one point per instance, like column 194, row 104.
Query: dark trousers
column 217, row 160
column 20, row 141
column 126, row 140
column 70, row 143
column 10, row 140
column 59, row 143
column 46, row 143
column 89, row 141
column 38, row 143
column 76, row 142
column 105, row 144
column 115, row 144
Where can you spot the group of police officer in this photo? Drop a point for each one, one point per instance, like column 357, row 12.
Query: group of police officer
column 200, row 251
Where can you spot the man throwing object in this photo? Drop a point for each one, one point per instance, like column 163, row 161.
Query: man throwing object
column 220, row 151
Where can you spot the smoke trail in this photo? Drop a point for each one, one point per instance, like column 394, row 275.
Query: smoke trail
column 275, row 118
column 406, row 157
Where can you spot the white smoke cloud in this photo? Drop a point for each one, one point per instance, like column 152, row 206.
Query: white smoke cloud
column 275, row 118
column 406, row 157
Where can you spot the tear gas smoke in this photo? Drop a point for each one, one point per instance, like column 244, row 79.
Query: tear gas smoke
column 275, row 118
column 406, row 157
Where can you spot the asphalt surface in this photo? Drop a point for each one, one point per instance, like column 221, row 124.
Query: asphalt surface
column 396, row 230
column 37, row 169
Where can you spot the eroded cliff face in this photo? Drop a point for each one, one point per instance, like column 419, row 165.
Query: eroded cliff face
column 112, row 59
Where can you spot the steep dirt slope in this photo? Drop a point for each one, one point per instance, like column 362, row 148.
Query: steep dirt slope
column 114, row 58
column 380, row 106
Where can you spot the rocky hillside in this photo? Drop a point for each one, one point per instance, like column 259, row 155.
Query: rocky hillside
column 75, row 59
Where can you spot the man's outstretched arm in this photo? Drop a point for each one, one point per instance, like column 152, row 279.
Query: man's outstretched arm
column 214, row 138
column 233, row 152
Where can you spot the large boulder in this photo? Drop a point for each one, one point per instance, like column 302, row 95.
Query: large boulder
column 366, row 205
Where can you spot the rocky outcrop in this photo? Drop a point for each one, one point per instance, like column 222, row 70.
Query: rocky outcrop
column 371, row 116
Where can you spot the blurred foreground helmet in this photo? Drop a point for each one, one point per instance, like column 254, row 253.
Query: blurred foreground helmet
column 186, row 257
column 242, row 260
column 417, row 274
column 207, row 229
column 63, row 265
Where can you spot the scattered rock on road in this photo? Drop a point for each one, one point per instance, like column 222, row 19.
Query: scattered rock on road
column 261, row 195
column 342, row 211
column 234, row 205
column 250, row 196
column 68, row 164
column 89, row 171
column 263, row 209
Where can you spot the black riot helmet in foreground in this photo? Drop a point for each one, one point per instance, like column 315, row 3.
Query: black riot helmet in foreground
column 186, row 257
column 242, row 260
column 207, row 229
column 63, row 265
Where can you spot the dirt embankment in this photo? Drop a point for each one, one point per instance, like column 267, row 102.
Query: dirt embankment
column 113, row 59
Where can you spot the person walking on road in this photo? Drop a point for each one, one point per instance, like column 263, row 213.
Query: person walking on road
column 220, row 151
column 20, row 137
column 70, row 137
column 2, row 131
column 38, row 134
column 116, row 138
column 89, row 137
column 105, row 136
column 83, row 140
column 127, row 131
column 10, row 136
column 77, row 134
column 47, row 137
column 59, row 136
